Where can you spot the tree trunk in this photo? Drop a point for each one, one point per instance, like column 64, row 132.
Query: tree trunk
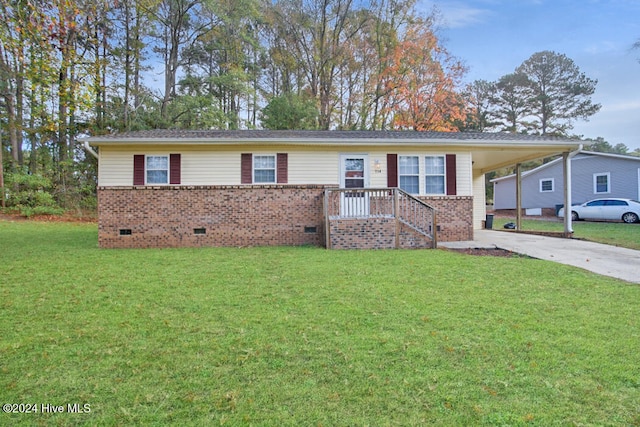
column 62, row 112
column 13, row 129
column 177, row 14
column 137, row 67
column 127, row 65
column 33, row 157
column 19, row 115
column 2, row 202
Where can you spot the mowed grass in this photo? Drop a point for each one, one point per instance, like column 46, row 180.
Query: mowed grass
column 306, row 336
column 610, row 233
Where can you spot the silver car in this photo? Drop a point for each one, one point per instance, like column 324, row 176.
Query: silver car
column 626, row 210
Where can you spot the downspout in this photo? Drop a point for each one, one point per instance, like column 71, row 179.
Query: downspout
column 89, row 149
column 568, row 224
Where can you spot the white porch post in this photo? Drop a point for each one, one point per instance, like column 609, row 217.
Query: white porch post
column 518, row 196
column 566, row 171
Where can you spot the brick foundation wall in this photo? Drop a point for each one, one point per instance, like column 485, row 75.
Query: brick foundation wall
column 454, row 217
column 411, row 239
column 372, row 233
column 167, row 216
column 454, row 222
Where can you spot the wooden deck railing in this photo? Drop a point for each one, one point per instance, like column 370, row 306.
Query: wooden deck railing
column 416, row 214
column 363, row 203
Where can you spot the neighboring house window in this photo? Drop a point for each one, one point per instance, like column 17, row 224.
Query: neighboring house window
column 601, row 183
column 409, row 173
column 434, row 175
column 546, row 185
column 157, row 170
column 264, row 169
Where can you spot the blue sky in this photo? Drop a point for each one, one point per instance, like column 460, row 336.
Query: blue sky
column 493, row 37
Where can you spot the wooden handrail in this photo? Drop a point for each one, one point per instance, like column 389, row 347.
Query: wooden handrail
column 363, row 203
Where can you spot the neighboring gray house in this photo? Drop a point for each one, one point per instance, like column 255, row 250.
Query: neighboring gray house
column 593, row 175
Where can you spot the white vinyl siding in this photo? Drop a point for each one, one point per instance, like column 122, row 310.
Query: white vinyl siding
column 479, row 200
column 221, row 165
column 321, row 168
column 210, row 168
column 377, row 177
column 115, row 168
column 464, row 176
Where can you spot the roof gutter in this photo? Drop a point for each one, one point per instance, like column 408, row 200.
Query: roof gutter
column 89, row 149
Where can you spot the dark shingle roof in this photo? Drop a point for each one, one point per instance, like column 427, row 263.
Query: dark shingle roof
column 284, row 135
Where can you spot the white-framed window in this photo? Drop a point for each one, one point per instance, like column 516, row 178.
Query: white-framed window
column 602, row 183
column 409, row 173
column 264, row 168
column 434, row 175
column 547, row 185
column 157, row 169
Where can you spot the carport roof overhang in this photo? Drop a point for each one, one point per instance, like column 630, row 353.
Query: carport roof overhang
column 487, row 159
column 490, row 151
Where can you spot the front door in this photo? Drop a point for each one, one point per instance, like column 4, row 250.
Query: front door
column 354, row 173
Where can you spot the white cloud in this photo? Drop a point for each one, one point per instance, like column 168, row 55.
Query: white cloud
column 603, row 47
column 622, row 107
column 456, row 14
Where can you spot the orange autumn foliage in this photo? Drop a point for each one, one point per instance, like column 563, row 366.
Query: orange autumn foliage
column 421, row 79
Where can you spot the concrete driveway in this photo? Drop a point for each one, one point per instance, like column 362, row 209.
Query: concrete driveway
column 607, row 260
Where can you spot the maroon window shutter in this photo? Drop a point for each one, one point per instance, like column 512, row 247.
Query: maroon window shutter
column 174, row 168
column 283, row 168
column 392, row 170
column 246, row 173
column 451, row 175
column 138, row 169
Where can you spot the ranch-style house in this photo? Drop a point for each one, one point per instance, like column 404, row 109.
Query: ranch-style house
column 338, row 189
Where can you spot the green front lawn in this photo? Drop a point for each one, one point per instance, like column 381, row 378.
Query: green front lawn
column 306, row 336
column 610, row 233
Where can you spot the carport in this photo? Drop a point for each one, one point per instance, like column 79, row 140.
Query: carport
column 496, row 156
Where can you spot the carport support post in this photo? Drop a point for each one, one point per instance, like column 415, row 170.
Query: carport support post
column 518, row 196
column 566, row 172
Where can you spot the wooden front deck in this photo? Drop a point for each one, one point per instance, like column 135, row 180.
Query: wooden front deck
column 380, row 218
